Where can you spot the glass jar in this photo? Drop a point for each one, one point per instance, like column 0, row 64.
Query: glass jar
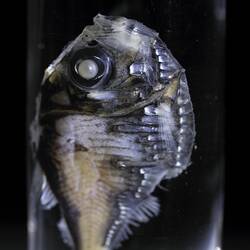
column 191, row 204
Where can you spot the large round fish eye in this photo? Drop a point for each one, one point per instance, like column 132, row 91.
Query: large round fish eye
column 90, row 68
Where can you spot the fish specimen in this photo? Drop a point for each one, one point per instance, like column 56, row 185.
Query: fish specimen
column 114, row 119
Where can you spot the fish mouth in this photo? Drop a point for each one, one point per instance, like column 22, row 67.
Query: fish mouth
column 101, row 113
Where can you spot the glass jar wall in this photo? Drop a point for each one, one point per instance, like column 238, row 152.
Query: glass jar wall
column 191, row 204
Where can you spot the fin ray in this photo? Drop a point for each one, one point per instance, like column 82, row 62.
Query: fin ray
column 48, row 200
column 65, row 234
column 138, row 212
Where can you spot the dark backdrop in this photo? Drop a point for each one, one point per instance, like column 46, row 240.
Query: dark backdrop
column 194, row 31
column 203, row 35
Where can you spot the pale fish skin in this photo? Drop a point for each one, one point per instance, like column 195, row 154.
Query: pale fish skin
column 105, row 143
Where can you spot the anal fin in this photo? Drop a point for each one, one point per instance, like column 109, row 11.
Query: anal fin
column 137, row 211
column 65, row 233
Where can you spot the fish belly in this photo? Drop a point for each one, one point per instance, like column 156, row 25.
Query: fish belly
column 90, row 186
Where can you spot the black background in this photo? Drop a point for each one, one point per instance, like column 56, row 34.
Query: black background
column 13, row 138
column 194, row 30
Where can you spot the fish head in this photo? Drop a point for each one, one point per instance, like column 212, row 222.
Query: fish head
column 115, row 66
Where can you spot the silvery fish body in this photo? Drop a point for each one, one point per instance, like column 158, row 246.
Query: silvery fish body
column 114, row 119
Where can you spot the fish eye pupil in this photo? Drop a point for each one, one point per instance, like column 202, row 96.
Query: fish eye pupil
column 87, row 69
